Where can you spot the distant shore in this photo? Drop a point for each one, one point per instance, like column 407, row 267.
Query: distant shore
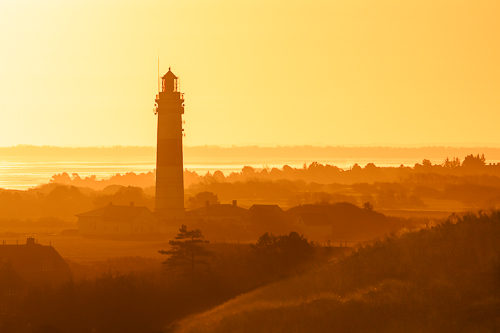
column 308, row 153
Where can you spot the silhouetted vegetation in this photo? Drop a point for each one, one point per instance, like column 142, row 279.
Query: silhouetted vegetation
column 124, row 196
column 187, row 252
column 449, row 186
column 473, row 184
column 65, row 201
column 276, row 255
column 128, row 179
column 150, row 298
column 434, row 279
column 442, row 278
column 201, row 199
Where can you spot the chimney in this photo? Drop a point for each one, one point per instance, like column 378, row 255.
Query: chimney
column 131, row 204
column 235, row 203
column 30, row 241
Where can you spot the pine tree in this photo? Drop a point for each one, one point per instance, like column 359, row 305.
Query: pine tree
column 187, row 251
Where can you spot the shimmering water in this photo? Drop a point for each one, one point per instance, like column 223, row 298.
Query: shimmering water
column 17, row 172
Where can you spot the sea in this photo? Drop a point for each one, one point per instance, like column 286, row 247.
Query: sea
column 21, row 172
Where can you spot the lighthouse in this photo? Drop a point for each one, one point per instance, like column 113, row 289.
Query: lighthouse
column 169, row 201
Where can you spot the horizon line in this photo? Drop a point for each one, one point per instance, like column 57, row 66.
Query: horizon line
column 224, row 146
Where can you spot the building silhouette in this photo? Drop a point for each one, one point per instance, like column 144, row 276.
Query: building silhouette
column 14, row 289
column 37, row 264
column 117, row 220
column 169, row 201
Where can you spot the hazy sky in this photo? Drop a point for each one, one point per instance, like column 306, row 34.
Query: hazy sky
column 254, row 72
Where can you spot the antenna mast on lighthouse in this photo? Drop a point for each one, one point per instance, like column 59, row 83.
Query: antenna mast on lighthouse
column 158, row 70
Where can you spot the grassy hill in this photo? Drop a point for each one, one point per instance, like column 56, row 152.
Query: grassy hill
column 444, row 278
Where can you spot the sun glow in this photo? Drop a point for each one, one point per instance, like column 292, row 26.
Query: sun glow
column 326, row 72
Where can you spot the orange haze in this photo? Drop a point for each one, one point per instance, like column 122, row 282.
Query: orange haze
column 256, row 72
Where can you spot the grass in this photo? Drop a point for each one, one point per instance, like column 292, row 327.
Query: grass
column 436, row 279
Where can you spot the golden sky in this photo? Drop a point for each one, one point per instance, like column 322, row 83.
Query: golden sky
column 392, row 72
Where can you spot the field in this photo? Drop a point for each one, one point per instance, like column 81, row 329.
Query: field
column 80, row 249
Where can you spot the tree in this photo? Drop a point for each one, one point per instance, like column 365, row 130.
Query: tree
column 280, row 254
column 187, row 251
column 266, row 245
column 450, row 164
column 200, row 199
column 124, row 196
column 426, row 163
column 219, row 176
column 367, row 206
column 65, row 201
column 474, row 162
column 356, row 167
column 294, row 249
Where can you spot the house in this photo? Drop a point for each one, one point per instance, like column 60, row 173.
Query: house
column 12, row 289
column 218, row 212
column 267, row 210
column 268, row 218
column 340, row 221
column 23, row 266
column 118, row 220
column 36, row 264
column 219, row 221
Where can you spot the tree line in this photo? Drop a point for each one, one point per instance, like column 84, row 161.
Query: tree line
column 195, row 277
column 314, row 172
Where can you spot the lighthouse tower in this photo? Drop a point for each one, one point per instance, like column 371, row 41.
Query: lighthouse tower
column 169, row 204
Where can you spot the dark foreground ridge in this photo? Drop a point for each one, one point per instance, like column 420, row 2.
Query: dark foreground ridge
column 439, row 279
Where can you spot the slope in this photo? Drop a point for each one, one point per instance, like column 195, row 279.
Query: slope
column 442, row 278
